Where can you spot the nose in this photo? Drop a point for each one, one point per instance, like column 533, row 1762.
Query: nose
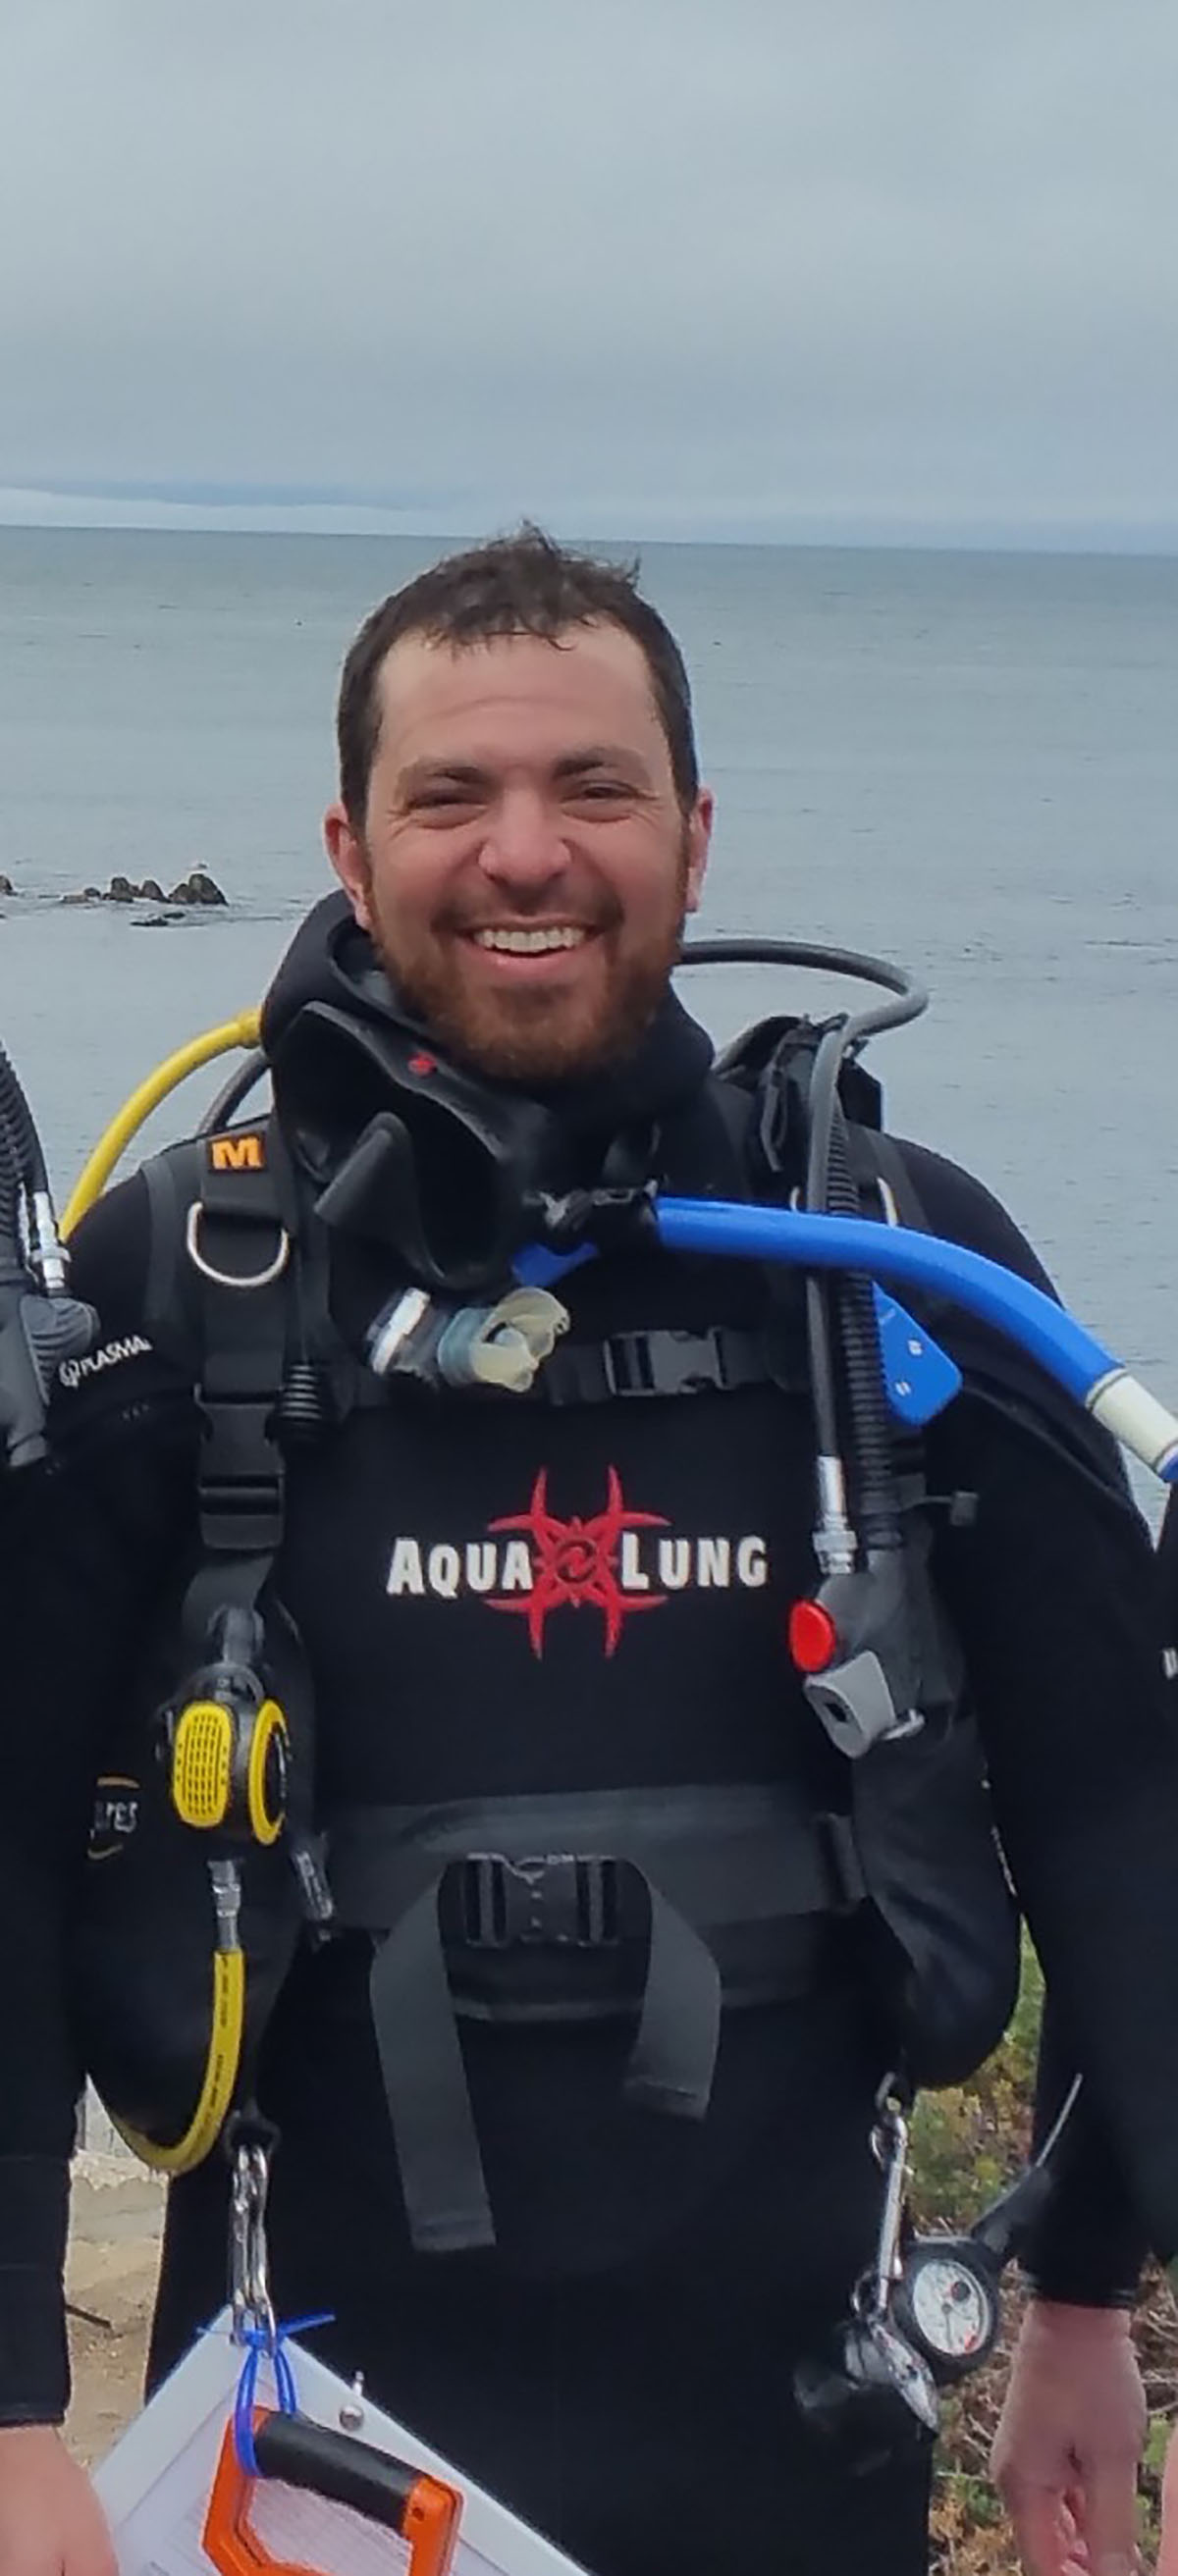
column 524, row 849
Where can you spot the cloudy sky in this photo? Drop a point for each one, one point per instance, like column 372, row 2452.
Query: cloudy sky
column 796, row 268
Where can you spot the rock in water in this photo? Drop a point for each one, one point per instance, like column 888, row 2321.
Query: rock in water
column 196, row 889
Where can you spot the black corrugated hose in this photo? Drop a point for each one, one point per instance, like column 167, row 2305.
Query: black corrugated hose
column 830, row 1189
column 40, row 1325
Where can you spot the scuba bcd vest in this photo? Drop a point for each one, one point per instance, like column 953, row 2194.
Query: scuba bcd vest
column 665, row 1905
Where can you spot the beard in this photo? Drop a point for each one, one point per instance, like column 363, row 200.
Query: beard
column 541, row 1037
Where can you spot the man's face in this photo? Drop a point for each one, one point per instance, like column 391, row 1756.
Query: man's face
column 525, row 866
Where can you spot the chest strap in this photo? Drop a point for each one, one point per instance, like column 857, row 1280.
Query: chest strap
column 662, row 1903
column 667, row 1362
column 660, row 1362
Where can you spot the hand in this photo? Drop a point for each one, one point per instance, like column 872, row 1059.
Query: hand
column 1168, row 2559
column 51, row 2522
column 1069, row 2440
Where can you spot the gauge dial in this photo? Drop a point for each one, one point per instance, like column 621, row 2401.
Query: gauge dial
column 952, row 2309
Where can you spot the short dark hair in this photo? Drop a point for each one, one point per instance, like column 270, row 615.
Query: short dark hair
column 519, row 585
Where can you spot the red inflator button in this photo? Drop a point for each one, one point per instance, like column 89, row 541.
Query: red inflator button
column 813, row 1637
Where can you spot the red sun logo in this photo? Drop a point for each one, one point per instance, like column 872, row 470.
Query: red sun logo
column 575, row 1562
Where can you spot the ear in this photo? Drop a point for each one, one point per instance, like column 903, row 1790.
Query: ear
column 349, row 858
column 699, row 836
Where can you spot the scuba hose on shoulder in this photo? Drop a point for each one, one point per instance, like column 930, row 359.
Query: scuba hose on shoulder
column 855, row 1641
column 40, row 1323
column 1069, row 1354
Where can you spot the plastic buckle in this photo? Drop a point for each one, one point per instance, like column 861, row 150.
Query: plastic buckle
column 241, row 1474
column 663, row 1363
column 556, row 1900
column 238, row 1442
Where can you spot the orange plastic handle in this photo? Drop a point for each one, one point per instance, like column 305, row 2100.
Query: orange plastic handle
column 422, row 2510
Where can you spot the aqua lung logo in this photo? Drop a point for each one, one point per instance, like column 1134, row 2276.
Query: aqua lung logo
column 618, row 1561
column 115, row 1816
column 73, row 1372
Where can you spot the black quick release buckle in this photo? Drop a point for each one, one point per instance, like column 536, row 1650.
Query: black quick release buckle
column 557, row 1900
column 665, row 1363
column 241, row 1477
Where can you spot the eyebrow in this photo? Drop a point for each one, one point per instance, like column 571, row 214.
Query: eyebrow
column 573, row 764
column 600, row 755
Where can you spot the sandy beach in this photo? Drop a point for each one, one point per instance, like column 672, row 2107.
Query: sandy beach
column 110, row 2278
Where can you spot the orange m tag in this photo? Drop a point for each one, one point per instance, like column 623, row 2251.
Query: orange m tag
column 293, row 2452
column 244, row 1153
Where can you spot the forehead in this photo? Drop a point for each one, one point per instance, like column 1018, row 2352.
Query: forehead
column 518, row 696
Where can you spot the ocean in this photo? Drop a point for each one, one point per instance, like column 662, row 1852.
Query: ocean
column 965, row 762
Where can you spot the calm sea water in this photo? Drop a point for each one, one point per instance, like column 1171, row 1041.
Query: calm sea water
column 966, row 762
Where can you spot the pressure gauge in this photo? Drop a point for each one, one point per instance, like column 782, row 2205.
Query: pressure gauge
column 946, row 2303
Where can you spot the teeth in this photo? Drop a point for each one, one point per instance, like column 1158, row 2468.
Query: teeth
column 529, row 943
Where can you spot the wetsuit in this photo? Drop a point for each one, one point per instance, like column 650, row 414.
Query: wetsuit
column 1168, row 1567
column 503, row 1597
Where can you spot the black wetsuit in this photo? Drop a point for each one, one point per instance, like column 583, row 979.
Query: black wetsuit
column 500, row 1597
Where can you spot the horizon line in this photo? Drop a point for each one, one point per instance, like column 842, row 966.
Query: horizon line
column 253, row 510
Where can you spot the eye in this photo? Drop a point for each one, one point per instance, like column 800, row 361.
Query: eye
column 599, row 791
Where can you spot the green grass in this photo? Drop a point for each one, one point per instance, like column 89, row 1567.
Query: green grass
column 966, row 2145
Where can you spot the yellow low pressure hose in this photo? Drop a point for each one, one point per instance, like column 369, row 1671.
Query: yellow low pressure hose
column 220, row 2077
column 228, row 1966
column 241, row 1032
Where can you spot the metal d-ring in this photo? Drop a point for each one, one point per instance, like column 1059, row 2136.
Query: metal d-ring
column 232, row 1278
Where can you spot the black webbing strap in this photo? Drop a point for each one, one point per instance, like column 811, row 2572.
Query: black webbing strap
column 238, row 1247
column 670, row 2066
column 743, row 1864
column 424, row 2079
column 673, row 2059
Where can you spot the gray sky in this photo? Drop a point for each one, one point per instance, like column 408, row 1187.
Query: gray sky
column 800, row 268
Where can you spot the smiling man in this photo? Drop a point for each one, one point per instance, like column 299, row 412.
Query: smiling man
column 579, row 2091
column 521, row 831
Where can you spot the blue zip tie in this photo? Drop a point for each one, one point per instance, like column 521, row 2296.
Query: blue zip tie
column 267, row 2345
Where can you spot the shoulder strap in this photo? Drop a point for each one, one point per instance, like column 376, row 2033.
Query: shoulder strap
column 172, row 1182
column 879, row 1170
column 224, row 1225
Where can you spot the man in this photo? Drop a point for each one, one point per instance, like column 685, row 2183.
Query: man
column 580, row 1598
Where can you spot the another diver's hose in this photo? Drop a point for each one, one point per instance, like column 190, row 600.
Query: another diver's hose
column 22, row 1164
column 10, row 1192
column 17, row 1119
column 40, row 1324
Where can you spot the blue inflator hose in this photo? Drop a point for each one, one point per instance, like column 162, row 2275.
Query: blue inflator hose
column 893, row 1253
